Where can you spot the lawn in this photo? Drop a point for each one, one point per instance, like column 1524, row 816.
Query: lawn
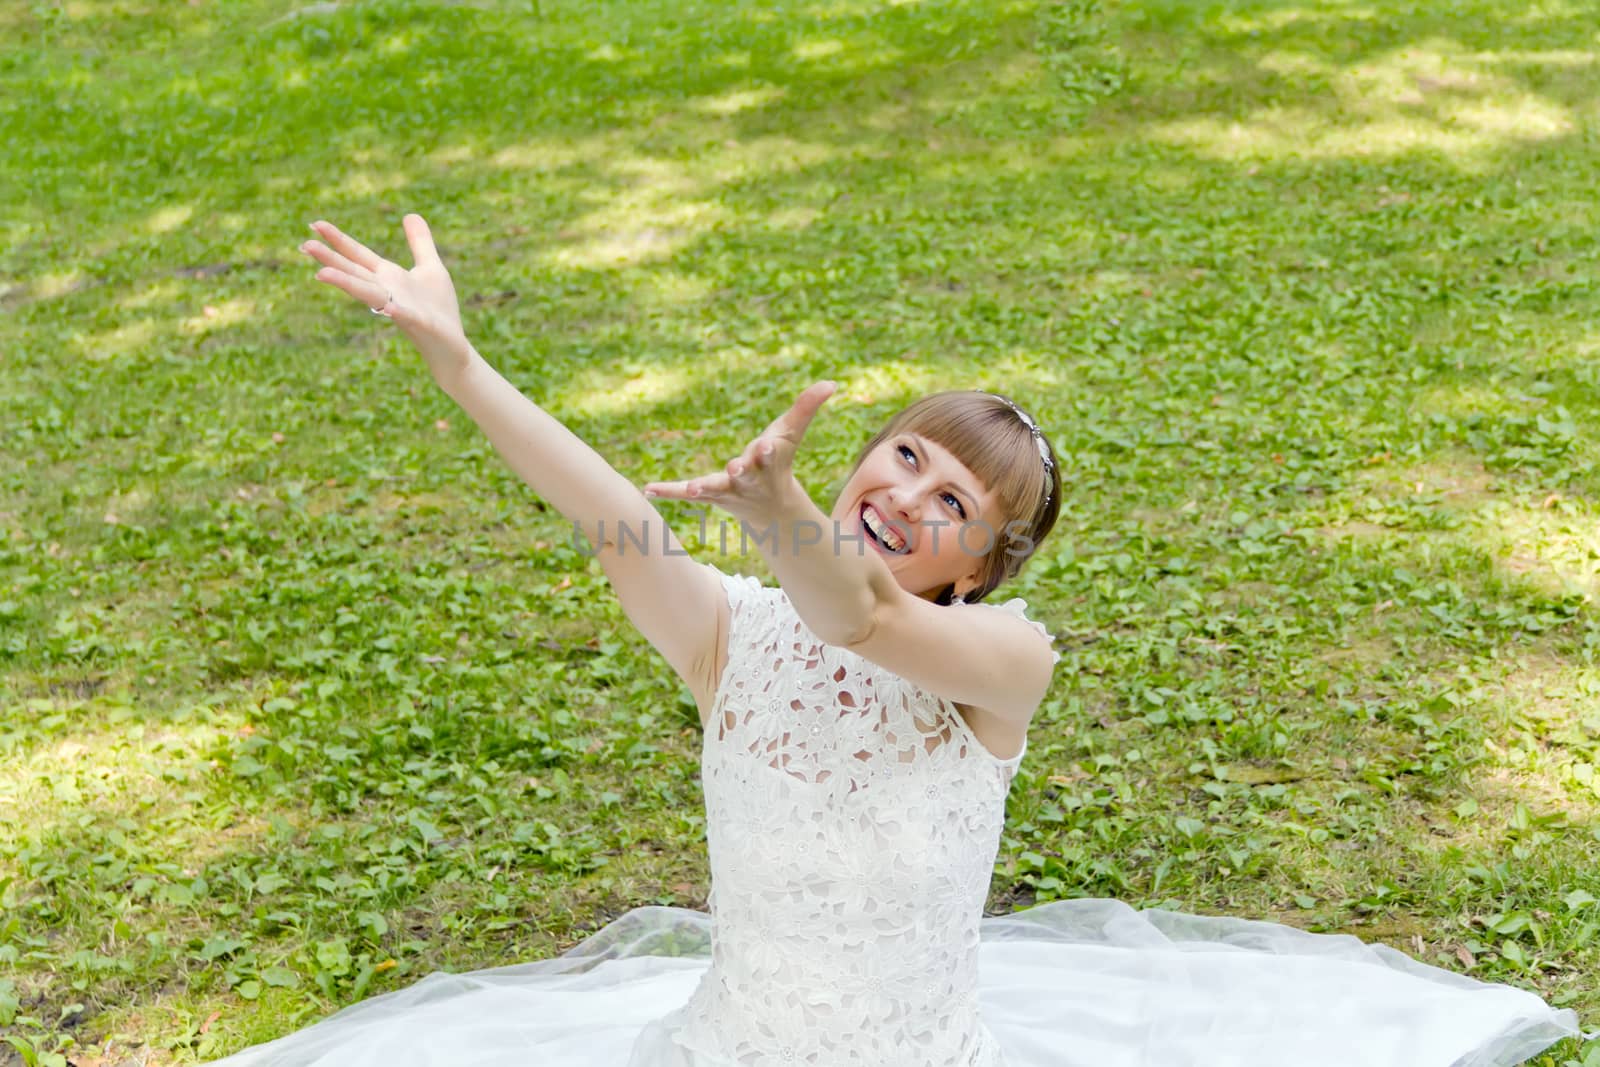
column 305, row 696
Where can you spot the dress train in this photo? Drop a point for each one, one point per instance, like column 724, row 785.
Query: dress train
column 1076, row 983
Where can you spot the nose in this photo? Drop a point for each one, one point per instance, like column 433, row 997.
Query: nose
column 907, row 503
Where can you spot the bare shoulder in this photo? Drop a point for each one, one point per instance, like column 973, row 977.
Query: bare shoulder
column 975, row 656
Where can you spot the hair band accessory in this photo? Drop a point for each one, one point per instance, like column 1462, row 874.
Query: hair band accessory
column 1038, row 437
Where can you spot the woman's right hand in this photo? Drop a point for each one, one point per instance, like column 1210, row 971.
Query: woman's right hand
column 421, row 301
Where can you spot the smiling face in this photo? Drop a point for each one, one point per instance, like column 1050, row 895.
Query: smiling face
column 908, row 500
column 953, row 456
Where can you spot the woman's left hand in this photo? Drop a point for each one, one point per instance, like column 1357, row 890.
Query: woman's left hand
column 757, row 484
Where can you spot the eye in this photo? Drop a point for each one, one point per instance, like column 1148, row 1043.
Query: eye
column 949, row 498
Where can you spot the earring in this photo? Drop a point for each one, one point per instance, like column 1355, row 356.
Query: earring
column 957, row 599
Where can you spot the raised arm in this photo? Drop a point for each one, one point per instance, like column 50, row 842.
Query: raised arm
column 987, row 660
column 675, row 602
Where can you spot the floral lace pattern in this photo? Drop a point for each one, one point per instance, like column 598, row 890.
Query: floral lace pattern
column 853, row 822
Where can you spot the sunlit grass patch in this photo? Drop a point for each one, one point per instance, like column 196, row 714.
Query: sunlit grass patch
column 136, row 762
column 1430, row 96
column 1548, row 749
column 739, row 100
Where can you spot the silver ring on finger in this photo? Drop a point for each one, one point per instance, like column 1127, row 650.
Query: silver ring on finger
column 388, row 298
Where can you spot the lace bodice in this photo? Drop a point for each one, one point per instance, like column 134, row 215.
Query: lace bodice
column 853, row 821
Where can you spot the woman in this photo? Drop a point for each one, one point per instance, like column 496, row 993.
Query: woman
column 863, row 722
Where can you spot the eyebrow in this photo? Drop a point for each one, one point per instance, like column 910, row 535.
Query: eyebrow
column 972, row 502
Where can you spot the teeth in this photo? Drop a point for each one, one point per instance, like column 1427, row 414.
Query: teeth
column 883, row 532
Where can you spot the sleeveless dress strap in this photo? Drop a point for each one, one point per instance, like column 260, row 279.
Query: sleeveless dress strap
column 1019, row 607
column 749, row 609
column 739, row 588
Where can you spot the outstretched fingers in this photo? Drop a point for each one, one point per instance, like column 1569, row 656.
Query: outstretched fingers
column 770, row 453
column 707, row 488
column 366, row 290
column 757, row 455
column 792, row 424
column 330, row 258
column 420, row 238
column 347, row 246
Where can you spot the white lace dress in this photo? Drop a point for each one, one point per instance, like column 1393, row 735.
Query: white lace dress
column 853, row 822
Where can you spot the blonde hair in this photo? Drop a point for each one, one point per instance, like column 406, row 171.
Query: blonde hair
column 990, row 436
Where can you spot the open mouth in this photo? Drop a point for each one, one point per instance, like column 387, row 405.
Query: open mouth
column 881, row 531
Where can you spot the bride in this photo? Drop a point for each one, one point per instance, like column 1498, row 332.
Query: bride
column 862, row 724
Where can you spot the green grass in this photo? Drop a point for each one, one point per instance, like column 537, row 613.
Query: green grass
column 305, row 696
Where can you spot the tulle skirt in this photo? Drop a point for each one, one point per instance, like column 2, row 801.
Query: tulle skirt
column 1079, row 983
